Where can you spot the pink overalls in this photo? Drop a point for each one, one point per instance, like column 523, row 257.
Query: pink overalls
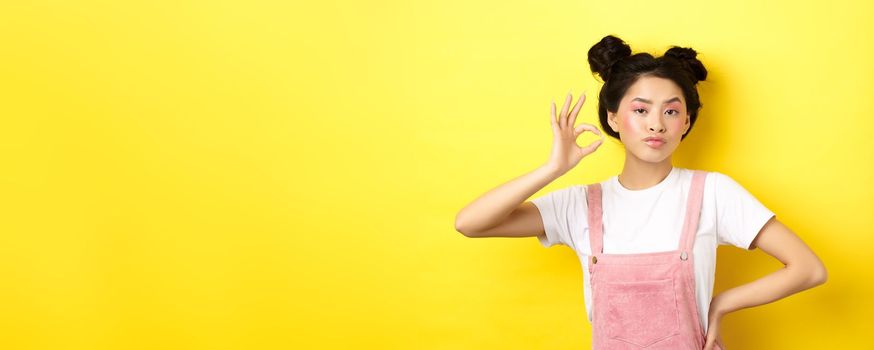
column 647, row 300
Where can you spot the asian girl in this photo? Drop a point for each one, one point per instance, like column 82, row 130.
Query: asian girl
column 647, row 237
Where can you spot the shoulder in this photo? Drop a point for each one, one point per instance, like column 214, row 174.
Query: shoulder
column 577, row 191
column 712, row 176
column 691, row 171
column 723, row 182
column 724, row 187
column 563, row 194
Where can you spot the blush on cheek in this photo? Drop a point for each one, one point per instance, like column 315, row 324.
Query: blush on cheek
column 626, row 124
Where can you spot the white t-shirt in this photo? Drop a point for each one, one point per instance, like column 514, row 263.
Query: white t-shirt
column 651, row 220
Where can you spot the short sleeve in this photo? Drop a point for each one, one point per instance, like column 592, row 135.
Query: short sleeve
column 559, row 211
column 739, row 215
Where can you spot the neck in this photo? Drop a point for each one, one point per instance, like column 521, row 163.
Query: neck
column 639, row 175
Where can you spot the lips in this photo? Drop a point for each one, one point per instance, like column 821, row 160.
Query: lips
column 654, row 142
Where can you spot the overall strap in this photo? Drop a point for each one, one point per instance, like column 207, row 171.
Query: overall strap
column 596, row 228
column 693, row 211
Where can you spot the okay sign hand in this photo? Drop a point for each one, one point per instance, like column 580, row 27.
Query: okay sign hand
column 566, row 154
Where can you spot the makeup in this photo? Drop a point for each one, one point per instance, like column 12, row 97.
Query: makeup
column 654, row 143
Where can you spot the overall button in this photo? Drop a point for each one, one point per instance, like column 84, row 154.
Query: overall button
column 594, row 259
column 683, row 256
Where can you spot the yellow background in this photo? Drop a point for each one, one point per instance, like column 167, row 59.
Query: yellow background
column 275, row 175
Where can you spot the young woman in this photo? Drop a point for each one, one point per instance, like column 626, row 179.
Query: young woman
column 647, row 237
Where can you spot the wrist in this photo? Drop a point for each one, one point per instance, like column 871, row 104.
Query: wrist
column 718, row 307
column 552, row 170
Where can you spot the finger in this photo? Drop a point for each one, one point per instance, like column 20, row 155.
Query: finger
column 552, row 117
column 563, row 116
column 576, row 110
column 586, row 126
column 592, row 128
column 708, row 344
column 598, row 131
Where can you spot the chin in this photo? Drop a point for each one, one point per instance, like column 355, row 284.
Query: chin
column 652, row 159
column 650, row 155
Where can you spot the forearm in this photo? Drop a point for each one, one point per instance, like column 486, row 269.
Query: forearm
column 786, row 281
column 494, row 206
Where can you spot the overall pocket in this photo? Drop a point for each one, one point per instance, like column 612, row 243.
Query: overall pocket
column 641, row 312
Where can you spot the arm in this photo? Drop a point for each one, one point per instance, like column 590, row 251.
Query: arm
column 501, row 211
column 498, row 212
column 803, row 270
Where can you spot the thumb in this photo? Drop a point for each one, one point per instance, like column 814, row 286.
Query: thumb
column 591, row 147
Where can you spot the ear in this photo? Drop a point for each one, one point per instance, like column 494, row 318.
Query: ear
column 688, row 124
column 611, row 119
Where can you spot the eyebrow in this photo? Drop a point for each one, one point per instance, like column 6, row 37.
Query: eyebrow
column 675, row 99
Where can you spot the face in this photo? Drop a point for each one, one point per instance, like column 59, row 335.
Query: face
column 652, row 107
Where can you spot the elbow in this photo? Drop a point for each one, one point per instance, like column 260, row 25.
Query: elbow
column 465, row 232
column 820, row 275
column 461, row 228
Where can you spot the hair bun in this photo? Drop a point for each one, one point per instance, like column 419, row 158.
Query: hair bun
column 687, row 58
column 604, row 54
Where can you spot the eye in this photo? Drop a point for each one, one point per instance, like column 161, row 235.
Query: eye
column 674, row 110
column 639, row 109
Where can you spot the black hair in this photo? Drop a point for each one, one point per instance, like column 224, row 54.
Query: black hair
column 612, row 60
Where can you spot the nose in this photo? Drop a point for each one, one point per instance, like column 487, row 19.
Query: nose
column 657, row 126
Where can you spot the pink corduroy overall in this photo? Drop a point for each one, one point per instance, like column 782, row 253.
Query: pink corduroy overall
column 646, row 300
